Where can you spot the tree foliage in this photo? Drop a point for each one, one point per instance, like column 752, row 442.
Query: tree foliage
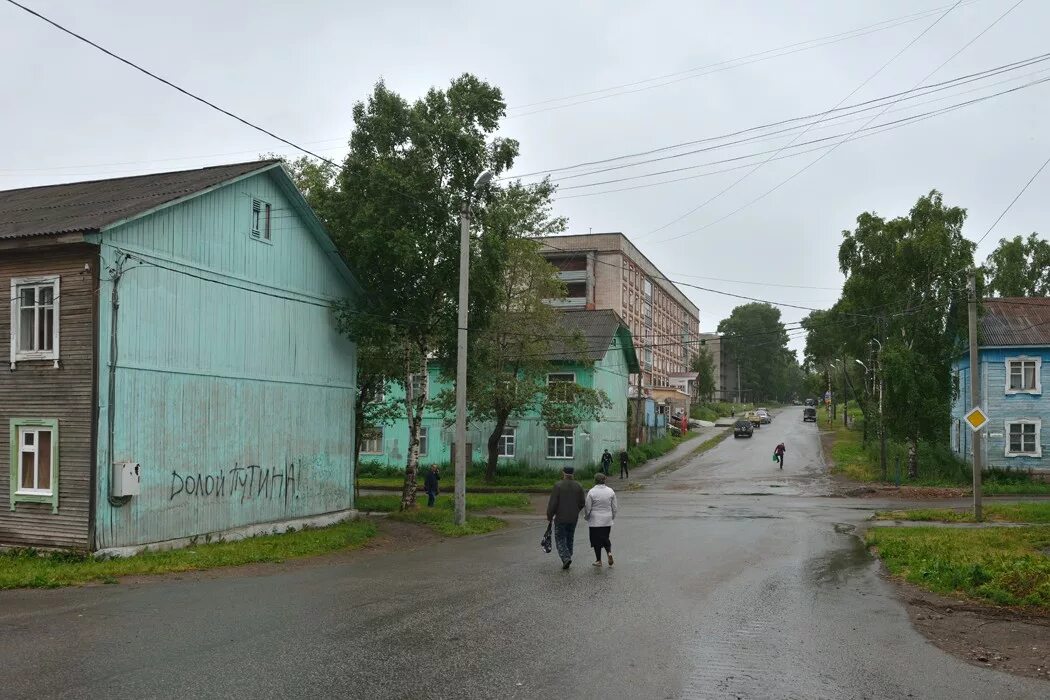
column 906, row 286
column 756, row 337
column 704, row 366
column 393, row 209
column 1019, row 267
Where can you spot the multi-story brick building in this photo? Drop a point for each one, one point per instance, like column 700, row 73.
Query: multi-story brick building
column 606, row 271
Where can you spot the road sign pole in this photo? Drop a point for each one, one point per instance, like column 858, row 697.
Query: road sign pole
column 975, row 396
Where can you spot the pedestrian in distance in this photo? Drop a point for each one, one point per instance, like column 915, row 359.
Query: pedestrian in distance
column 778, row 454
column 624, row 462
column 606, row 461
column 600, row 511
column 430, row 484
column 563, row 509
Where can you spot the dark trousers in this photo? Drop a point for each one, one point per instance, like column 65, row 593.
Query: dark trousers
column 600, row 540
column 431, row 495
column 605, row 468
column 624, row 474
column 564, row 535
column 780, row 458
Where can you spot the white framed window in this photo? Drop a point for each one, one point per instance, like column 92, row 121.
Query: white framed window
column 260, row 220
column 560, row 444
column 1022, row 375
column 373, row 443
column 420, row 387
column 561, row 377
column 507, row 441
column 34, row 461
column 1023, row 438
column 34, row 318
column 424, row 439
column 562, row 385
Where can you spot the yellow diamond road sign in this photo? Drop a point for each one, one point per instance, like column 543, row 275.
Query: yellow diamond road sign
column 976, row 418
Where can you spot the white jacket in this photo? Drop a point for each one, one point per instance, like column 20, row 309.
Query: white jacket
column 600, row 507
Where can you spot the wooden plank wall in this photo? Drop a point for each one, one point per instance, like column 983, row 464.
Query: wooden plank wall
column 38, row 390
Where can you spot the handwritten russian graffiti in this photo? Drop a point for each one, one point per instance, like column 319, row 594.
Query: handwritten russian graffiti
column 250, row 483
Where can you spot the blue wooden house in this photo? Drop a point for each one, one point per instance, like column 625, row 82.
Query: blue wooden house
column 1014, row 375
column 174, row 368
column 607, row 362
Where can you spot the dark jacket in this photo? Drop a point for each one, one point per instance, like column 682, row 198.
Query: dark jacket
column 779, row 449
column 623, row 458
column 430, row 482
column 566, row 501
column 606, row 459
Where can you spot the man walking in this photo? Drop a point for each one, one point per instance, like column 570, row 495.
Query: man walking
column 430, row 484
column 606, row 461
column 563, row 509
column 624, row 459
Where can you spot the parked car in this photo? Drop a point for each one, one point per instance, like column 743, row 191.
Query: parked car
column 809, row 413
column 754, row 418
column 743, row 428
column 765, row 415
column 811, row 402
column 796, row 402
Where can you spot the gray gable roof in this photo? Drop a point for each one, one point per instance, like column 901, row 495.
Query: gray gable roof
column 595, row 331
column 92, row 205
column 1015, row 321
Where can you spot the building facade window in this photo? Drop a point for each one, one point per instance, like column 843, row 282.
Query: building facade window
column 372, row 443
column 560, row 444
column 1023, row 375
column 424, row 440
column 34, row 461
column 507, row 442
column 260, row 220
column 34, row 318
column 1023, row 438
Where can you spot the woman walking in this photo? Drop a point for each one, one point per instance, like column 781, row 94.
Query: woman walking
column 599, row 511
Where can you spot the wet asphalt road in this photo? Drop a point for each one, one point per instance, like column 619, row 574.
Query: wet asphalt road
column 733, row 580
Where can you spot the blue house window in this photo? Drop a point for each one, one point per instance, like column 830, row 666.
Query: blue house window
column 1023, row 375
column 506, row 442
column 1023, row 438
column 260, row 220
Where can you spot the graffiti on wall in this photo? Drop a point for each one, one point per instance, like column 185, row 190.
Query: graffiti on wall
column 249, row 483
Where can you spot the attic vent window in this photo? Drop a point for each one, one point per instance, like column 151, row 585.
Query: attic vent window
column 260, row 220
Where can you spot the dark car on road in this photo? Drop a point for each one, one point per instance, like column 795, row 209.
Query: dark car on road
column 743, row 428
column 809, row 413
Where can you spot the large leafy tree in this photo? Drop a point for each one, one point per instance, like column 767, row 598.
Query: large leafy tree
column 756, row 337
column 906, row 286
column 704, row 366
column 394, row 210
column 1019, row 267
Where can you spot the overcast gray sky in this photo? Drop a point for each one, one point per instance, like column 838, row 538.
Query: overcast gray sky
column 72, row 113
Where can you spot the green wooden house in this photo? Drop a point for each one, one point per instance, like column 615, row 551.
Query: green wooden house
column 607, row 362
column 174, row 367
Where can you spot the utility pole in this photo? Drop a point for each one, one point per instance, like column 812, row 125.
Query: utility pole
column 738, row 381
column 882, row 420
column 638, row 407
column 845, row 395
column 975, row 395
column 461, row 351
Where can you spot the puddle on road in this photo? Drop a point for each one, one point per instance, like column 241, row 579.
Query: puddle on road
column 839, row 565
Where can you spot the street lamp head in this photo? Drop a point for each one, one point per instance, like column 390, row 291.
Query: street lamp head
column 483, row 179
column 861, row 364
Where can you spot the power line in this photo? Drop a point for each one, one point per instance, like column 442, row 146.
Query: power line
column 724, row 65
column 184, row 91
column 867, row 80
column 855, row 108
column 1013, row 201
column 835, row 147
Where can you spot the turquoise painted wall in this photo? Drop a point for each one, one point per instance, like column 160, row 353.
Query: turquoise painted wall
column 1001, row 408
column 234, row 392
column 591, row 437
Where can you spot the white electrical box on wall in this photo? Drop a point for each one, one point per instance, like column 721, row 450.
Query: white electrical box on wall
column 125, row 479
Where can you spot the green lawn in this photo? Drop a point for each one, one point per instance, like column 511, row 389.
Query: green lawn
column 385, row 503
column 28, row 569
column 440, row 521
column 995, row 512
column 1005, row 566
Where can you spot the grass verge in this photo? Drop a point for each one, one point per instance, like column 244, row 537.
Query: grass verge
column 30, row 569
column 440, row 520
column 1005, row 566
column 996, row 512
column 386, row 503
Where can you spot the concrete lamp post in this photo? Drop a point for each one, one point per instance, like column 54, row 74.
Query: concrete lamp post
column 461, row 349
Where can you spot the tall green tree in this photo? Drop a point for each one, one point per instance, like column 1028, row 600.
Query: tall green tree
column 704, row 366
column 756, row 337
column 394, row 211
column 906, row 286
column 1019, row 267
